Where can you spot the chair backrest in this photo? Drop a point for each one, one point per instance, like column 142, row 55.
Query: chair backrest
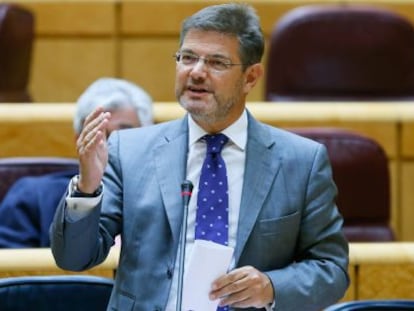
column 16, row 41
column 14, row 168
column 56, row 292
column 373, row 305
column 343, row 52
column 360, row 171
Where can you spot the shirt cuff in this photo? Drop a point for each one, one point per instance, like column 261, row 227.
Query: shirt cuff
column 79, row 207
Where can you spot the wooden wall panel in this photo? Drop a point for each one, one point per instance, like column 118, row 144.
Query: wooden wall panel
column 150, row 63
column 63, row 68
column 376, row 281
column 407, row 139
column 75, row 43
column 70, row 18
column 407, row 200
column 132, row 24
column 157, row 18
column 395, row 185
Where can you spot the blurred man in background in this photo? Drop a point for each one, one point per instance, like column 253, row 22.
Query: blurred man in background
column 28, row 208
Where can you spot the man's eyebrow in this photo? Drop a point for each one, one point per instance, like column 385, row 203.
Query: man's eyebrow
column 189, row 51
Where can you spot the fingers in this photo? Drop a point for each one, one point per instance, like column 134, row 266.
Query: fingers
column 93, row 131
column 92, row 150
column 243, row 287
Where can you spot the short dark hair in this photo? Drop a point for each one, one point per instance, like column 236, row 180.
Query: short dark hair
column 235, row 19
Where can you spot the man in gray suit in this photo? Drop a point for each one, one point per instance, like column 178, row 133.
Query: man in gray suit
column 289, row 249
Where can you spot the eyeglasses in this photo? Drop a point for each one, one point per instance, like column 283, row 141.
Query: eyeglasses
column 212, row 62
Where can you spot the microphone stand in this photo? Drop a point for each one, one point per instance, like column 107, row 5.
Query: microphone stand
column 186, row 191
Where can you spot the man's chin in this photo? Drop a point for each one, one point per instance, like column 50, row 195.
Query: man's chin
column 194, row 105
column 198, row 110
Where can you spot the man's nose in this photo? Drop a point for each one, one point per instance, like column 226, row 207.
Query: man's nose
column 199, row 69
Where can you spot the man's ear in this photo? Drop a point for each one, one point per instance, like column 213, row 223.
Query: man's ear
column 252, row 75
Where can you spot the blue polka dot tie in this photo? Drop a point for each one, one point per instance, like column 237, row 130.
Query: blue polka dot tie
column 212, row 201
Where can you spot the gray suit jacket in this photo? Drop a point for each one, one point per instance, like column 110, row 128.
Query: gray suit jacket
column 289, row 226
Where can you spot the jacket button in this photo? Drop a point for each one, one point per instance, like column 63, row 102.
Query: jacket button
column 169, row 273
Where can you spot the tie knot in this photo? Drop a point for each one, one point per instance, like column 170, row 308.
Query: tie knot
column 215, row 142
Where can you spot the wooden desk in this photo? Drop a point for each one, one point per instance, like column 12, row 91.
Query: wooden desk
column 37, row 130
column 377, row 270
column 383, row 270
column 40, row 261
column 53, row 122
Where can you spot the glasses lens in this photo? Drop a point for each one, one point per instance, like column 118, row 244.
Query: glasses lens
column 218, row 64
column 214, row 63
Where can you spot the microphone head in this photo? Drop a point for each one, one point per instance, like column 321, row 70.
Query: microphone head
column 186, row 188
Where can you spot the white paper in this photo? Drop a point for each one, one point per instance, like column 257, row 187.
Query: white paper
column 207, row 262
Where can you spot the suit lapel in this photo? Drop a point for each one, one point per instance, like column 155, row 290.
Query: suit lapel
column 171, row 158
column 261, row 169
column 262, row 165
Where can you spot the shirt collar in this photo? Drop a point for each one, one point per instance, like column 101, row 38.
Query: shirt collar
column 236, row 132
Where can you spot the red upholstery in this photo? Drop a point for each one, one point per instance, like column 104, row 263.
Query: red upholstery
column 12, row 169
column 360, row 171
column 346, row 52
column 16, row 39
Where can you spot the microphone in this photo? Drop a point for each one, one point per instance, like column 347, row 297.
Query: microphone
column 186, row 191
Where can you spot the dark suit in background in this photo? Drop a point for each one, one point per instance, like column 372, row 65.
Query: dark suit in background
column 27, row 210
column 28, row 207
